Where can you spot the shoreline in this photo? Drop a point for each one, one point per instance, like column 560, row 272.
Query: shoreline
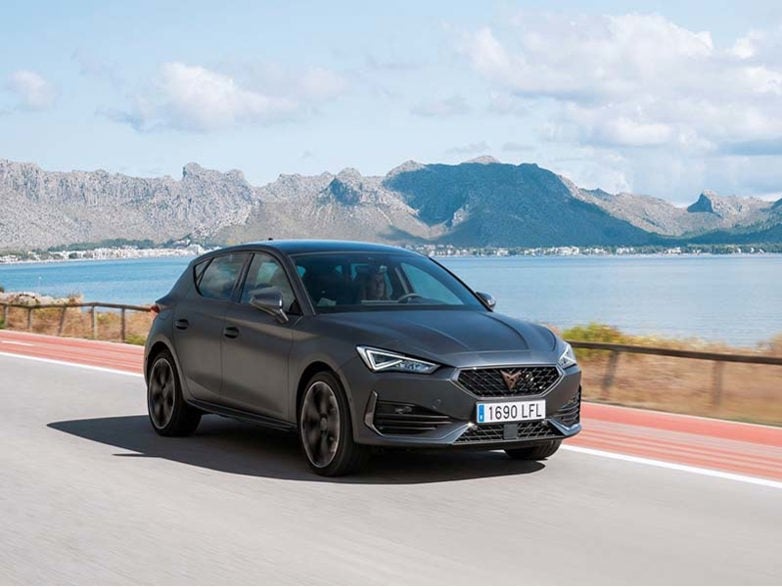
column 104, row 254
column 129, row 253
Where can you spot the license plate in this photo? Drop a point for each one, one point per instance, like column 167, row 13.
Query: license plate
column 511, row 411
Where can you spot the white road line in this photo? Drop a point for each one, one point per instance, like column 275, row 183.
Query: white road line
column 578, row 449
column 675, row 466
column 68, row 364
column 16, row 342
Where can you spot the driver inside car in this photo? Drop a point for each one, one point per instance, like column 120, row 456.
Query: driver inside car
column 374, row 285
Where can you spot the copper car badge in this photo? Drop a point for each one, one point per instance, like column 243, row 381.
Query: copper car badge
column 511, row 378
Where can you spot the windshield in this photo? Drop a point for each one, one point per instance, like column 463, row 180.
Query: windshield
column 342, row 282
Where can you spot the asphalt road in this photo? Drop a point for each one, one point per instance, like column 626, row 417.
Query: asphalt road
column 89, row 494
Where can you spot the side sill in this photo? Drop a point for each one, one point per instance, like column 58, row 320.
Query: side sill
column 251, row 417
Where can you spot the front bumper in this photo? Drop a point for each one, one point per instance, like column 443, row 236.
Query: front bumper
column 431, row 411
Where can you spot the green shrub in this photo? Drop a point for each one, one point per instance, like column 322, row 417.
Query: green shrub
column 138, row 339
column 595, row 332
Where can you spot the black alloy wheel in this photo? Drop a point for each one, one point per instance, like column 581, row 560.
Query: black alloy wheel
column 325, row 430
column 169, row 413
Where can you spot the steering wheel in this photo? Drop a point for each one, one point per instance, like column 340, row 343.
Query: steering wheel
column 408, row 296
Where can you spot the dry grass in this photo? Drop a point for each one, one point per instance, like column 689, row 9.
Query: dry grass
column 749, row 392
column 78, row 323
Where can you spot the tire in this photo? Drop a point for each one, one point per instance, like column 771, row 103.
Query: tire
column 325, row 428
column 534, row 453
column 168, row 412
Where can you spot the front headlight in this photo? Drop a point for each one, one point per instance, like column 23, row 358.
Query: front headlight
column 380, row 360
column 568, row 357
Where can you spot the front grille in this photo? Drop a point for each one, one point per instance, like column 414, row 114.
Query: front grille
column 524, row 380
column 398, row 418
column 570, row 413
column 538, row 430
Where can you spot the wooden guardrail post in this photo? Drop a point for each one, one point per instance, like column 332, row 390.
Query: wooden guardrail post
column 122, row 326
column 716, row 399
column 5, row 315
column 94, row 321
column 62, row 321
column 610, row 373
column 29, row 318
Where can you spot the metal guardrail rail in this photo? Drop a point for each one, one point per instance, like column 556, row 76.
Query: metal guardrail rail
column 719, row 360
column 123, row 308
column 615, row 350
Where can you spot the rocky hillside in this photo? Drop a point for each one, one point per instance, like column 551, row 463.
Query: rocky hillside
column 477, row 203
column 710, row 212
column 346, row 205
column 480, row 204
column 45, row 208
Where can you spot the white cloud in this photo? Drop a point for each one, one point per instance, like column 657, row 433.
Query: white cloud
column 625, row 131
column 516, row 147
column 634, row 79
column 469, row 149
column 507, row 103
column 746, row 47
column 195, row 98
column 609, row 126
column 453, row 106
column 32, row 90
column 312, row 85
column 587, row 57
column 650, row 105
column 322, row 84
column 198, row 98
column 759, row 45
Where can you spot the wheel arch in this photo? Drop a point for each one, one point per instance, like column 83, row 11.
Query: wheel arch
column 154, row 351
column 155, row 348
column 306, row 375
column 314, row 367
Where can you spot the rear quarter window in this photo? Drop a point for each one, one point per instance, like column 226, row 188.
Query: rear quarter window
column 217, row 279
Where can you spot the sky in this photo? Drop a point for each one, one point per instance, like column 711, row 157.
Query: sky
column 659, row 98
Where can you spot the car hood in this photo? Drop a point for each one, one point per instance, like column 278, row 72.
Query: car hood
column 453, row 337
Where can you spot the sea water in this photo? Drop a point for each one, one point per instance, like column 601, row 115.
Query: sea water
column 735, row 299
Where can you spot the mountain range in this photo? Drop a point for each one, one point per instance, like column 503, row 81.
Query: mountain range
column 477, row 203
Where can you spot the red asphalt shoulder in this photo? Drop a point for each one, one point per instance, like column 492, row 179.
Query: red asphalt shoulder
column 725, row 429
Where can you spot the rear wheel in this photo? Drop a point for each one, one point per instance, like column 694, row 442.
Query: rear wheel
column 168, row 412
column 325, row 428
column 534, row 453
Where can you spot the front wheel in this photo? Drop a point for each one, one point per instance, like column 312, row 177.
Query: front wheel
column 325, row 429
column 534, row 453
column 169, row 413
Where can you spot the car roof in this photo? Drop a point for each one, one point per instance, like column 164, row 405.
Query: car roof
column 298, row 246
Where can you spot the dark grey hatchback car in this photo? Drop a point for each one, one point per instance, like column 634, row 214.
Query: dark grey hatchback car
column 354, row 345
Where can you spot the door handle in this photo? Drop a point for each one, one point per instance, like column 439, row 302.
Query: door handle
column 230, row 332
column 182, row 324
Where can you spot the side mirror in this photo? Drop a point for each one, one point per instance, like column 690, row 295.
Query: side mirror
column 269, row 300
column 488, row 299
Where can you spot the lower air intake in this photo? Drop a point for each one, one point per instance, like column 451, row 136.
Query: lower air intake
column 406, row 419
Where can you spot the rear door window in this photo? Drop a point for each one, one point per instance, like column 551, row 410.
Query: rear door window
column 218, row 279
